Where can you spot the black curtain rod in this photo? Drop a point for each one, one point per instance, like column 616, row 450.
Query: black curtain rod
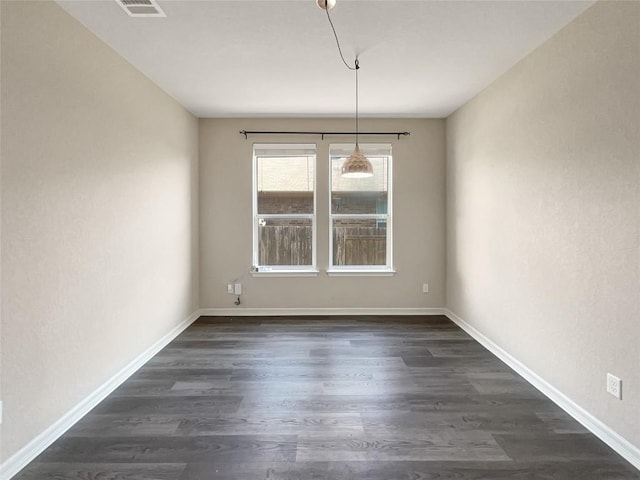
column 246, row 133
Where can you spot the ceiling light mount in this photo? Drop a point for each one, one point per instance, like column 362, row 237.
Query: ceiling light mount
column 326, row 4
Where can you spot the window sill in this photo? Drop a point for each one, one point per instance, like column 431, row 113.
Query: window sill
column 286, row 273
column 387, row 272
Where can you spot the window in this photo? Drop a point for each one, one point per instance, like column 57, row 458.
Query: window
column 360, row 213
column 284, row 208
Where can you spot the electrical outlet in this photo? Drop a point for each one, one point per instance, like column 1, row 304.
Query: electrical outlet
column 237, row 289
column 614, row 386
column 425, row 288
column 230, row 288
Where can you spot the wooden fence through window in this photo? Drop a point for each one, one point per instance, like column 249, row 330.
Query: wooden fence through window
column 352, row 245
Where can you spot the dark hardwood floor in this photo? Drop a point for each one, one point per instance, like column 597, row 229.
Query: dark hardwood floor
column 375, row 398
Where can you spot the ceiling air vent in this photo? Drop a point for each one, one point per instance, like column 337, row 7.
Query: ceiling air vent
column 141, row 8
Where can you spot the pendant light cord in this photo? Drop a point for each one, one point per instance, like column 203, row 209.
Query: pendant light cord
column 338, row 43
column 356, row 69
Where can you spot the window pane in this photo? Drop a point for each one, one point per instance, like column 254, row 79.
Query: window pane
column 359, row 195
column 285, row 241
column 359, row 242
column 285, row 184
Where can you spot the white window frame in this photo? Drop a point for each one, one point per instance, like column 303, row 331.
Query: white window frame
column 363, row 270
column 283, row 270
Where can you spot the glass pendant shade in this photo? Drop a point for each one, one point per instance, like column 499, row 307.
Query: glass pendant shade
column 357, row 165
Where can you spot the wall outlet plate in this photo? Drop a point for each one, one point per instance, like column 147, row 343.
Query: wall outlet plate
column 425, row 288
column 237, row 289
column 230, row 288
column 614, row 386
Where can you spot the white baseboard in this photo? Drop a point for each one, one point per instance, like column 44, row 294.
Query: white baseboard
column 618, row 443
column 26, row 454
column 266, row 312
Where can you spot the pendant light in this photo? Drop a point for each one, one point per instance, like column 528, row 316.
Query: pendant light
column 357, row 165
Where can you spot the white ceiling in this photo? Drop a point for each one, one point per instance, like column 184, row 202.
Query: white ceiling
column 279, row 58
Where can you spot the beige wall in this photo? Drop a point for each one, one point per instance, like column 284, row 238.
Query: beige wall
column 543, row 212
column 99, row 216
column 226, row 218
